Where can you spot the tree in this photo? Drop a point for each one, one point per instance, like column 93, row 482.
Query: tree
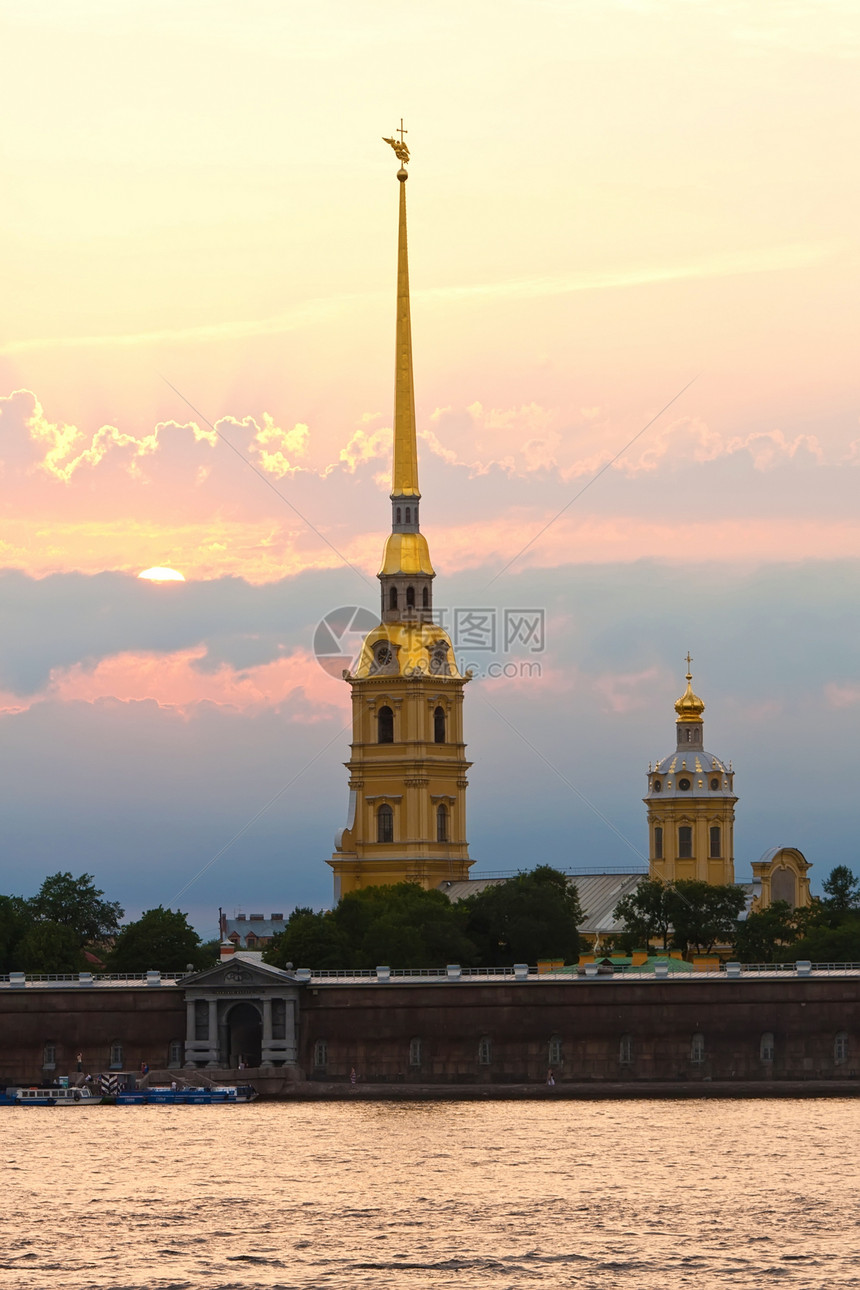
column 763, row 936
column 841, row 889
column 704, row 914
column 401, row 925
column 76, row 903
column 309, row 939
column 535, row 915
column 15, row 921
column 646, row 914
column 50, row 947
column 160, row 939
column 822, row 944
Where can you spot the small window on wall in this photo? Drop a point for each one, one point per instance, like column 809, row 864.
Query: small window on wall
column 439, row 726
column 399, row 520
column 554, row 1051
column 116, row 1056
column 415, row 1052
column 385, row 725
column 716, row 841
column 625, row 1050
column 425, row 598
column 766, row 1047
column 408, row 514
column 410, row 597
column 840, row 1048
column 697, row 1049
column 385, row 824
column 392, row 598
column 441, row 823
column 658, row 843
column 175, row 1053
column 685, row 842
column 320, row 1053
column 485, row 1051
column 49, row 1057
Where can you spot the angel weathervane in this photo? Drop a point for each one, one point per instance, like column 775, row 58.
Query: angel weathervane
column 401, row 151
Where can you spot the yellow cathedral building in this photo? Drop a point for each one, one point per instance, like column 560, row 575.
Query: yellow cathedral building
column 691, row 818
column 407, row 769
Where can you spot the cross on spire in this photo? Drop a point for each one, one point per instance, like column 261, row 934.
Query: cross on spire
column 689, row 660
column 401, row 131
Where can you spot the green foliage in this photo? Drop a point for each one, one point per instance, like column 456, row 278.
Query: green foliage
column 76, row 903
column 400, row 925
column 765, row 937
column 646, row 914
column 841, row 890
column 533, row 916
column 823, row 944
column 15, row 921
column 698, row 914
column 704, row 914
column 49, row 947
column 161, row 939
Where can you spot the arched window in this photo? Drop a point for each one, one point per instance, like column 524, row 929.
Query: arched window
column 410, row 597
column 625, row 1050
column 320, row 1053
column 385, row 823
column 49, row 1057
column 397, row 520
column 415, row 1052
column 697, row 1049
column 716, row 840
column 840, row 1048
column 485, row 1050
column 554, row 1051
column 441, row 823
column 116, row 1056
column 439, row 726
column 685, row 842
column 425, row 598
column 392, row 598
column 385, row 725
column 175, row 1053
column 766, row 1047
column 658, row 842
column 408, row 514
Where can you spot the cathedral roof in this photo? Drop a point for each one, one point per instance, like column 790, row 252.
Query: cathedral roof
column 700, row 768
column 415, row 649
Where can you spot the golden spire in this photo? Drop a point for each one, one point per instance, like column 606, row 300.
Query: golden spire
column 689, row 707
column 404, row 474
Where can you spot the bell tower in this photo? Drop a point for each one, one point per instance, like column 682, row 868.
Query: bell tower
column 407, row 769
column 691, row 804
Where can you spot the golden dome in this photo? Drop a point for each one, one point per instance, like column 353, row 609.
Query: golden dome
column 689, row 707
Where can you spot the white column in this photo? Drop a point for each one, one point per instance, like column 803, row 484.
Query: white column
column 266, row 1053
column 189, row 1032
column 214, row 1057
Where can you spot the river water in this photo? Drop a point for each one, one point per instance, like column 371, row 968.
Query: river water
column 489, row 1196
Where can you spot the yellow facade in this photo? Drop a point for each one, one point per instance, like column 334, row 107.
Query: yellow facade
column 691, row 805
column 781, row 874
column 407, row 771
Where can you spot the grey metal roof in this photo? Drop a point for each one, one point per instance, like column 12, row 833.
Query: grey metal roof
column 599, row 893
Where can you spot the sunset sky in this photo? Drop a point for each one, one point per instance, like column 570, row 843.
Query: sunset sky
column 607, row 202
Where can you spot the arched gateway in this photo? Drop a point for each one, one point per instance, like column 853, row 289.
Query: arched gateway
column 241, row 1012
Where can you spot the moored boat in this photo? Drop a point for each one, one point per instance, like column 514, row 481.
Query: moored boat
column 190, row 1095
column 49, row 1096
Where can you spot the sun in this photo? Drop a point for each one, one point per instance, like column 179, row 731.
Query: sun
column 159, row 574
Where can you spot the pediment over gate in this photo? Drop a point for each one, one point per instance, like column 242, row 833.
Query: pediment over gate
column 239, row 974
